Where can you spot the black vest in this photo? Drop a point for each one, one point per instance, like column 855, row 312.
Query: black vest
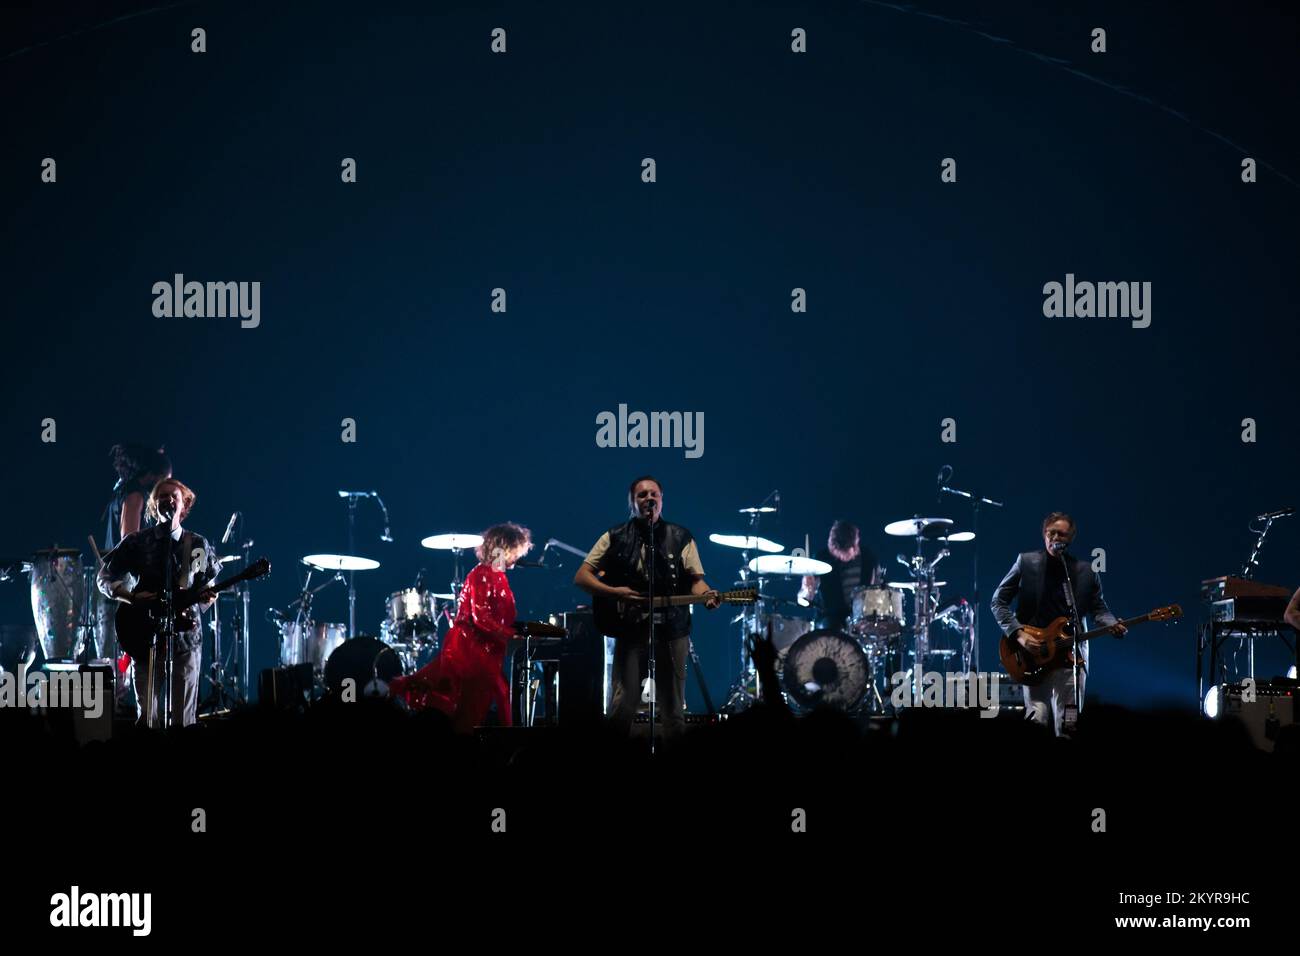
column 621, row 566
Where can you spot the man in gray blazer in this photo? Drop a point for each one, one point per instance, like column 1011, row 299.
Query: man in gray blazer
column 1037, row 582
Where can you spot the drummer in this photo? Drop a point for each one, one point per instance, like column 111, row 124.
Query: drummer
column 852, row 566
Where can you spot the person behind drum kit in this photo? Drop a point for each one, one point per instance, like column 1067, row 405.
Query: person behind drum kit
column 615, row 568
column 1037, row 583
column 852, row 566
column 143, row 555
column 466, row 678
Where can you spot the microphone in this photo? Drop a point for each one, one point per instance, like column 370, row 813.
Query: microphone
column 1058, row 547
column 117, row 485
column 387, row 535
column 1270, row 515
column 230, row 527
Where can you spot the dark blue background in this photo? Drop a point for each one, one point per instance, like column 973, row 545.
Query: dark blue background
column 774, row 171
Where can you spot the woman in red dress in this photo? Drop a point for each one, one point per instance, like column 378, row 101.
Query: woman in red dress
column 466, row 678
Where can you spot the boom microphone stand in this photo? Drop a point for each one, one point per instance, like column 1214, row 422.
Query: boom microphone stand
column 975, row 501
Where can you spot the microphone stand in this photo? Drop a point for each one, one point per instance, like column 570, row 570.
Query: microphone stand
column 975, row 501
column 1067, row 719
column 650, row 596
column 168, row 633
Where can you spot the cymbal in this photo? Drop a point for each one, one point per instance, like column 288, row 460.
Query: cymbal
column 788, row 564
column 340, row 562
column 746, row 542
column 761, row 510
column 918, row 527
column 911, row 585
column 960, row 536
column 452, row 541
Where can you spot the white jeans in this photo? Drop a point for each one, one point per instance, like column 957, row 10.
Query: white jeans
column 1052, row 696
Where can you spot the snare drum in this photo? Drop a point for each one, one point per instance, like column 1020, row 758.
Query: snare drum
column 877, row 612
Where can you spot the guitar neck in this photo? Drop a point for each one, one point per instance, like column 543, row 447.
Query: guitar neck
column 677, row 600
column 1128, row 622
column 190, row 597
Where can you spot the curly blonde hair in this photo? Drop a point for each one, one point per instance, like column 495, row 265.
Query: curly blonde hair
column 504, row 539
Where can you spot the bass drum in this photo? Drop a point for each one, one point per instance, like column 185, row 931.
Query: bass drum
column 826, row 669
column 368, row 661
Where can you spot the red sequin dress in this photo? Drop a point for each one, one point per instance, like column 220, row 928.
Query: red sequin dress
column 466, row 677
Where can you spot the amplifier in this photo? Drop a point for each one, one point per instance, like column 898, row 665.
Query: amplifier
column 582, row 667
column 286, row 688
column 1272, row 709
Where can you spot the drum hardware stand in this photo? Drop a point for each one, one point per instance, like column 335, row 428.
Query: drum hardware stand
column 457, row 582
column 302, row 618
column 220, row 699
column 975, row 501
column 738, row 696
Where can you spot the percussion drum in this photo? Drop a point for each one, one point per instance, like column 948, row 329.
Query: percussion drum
column 309, row 643
column 367, row 661
column 826, row 669
column 58, row 601
column 785, row 630
column 877, row 612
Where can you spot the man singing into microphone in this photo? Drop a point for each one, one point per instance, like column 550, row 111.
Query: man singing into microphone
column 135, row 572
column 614, row 571
column 1038, row 579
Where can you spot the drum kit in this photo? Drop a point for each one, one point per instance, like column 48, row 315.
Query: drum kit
column 411, row 632
column 846, row 665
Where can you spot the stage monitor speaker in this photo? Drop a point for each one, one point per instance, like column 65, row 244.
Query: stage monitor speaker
column 1270, row 714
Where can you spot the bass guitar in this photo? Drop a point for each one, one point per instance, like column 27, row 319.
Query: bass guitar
column 1030, row 667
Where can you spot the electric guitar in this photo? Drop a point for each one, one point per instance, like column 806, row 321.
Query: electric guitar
column 1030, row 667
column 138, row 625
column 619, row 617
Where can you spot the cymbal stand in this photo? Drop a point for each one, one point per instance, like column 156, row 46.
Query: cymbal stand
column 975, row 502
column 739, row 697
column 457, row 581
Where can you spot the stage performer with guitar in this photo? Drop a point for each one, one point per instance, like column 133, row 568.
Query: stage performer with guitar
column 614, row 573
column 1038, row 579
column 143, row 555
